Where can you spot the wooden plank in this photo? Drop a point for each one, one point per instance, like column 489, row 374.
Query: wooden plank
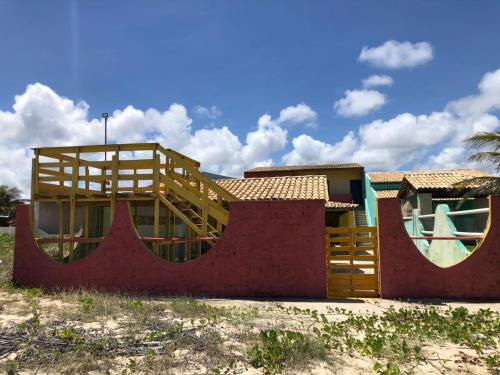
column 353, row 257
column 52, row 172
column 352, row 294
column 346, row 266
column 57, row 164
column 364, row 230
column 49, row 151
column 339, row 248
column 340, row 230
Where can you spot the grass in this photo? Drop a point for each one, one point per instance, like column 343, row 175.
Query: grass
column 6, row 259
column 78, row 331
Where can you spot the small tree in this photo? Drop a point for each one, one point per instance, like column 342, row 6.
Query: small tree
column 8, row 198
column 488, row 185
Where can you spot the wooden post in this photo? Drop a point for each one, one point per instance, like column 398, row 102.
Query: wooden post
column 61, row 229
column 34, row 183
column 156, row 188
column 136, row 182
column 87, row 180
column 86, row 221
column 219, row 224
column 75, row 171
column 204, row 213
column 61, row 171
column 114, row 184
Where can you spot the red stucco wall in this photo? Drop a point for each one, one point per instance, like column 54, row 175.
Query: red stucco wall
column 269, row 248
column 405, row 272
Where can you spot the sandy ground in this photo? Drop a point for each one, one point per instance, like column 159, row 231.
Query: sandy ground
column 14, row 311
column 356, row 305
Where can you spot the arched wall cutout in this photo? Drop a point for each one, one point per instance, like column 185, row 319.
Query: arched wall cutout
column 406, row 273
column 269, row 248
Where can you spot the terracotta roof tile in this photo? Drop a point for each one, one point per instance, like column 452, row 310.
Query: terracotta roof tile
column 386, row 194
column 438, row 180
column 306, row 167
column 397, row 176
column 277, row 188
column 386, row 177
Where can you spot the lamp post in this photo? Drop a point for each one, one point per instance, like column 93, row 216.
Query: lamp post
column 105, row 116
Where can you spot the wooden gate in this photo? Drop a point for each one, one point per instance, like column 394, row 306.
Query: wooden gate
column 352, row 262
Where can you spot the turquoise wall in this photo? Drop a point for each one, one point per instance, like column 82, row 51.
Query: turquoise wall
column 370, row 202
column 371, row 198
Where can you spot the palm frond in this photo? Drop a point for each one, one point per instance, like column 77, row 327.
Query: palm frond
column 489, row 158
column 479, row 186
column 484, row 139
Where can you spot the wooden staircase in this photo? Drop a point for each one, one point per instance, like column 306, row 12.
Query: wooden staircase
column 191, row 213
column 194, row 198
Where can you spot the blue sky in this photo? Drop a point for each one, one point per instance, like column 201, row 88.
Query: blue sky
column 246, row 58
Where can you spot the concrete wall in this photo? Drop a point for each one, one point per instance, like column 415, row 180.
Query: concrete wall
column 445, row 253
column 268, row 249
column 406, row 273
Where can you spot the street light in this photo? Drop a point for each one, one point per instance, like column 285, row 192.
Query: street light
column 105, row 116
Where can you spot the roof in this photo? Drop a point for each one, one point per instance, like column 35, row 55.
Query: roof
column 342, row 205
column 306, row 167
column 437, row 181
column 277, row 188
column 397, row 176
column 386, row 194
column 386, row 177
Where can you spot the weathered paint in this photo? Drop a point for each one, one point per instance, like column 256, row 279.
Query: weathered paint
column 406, row 273
column 370, row 202
column 445, row 253
column 268, row 249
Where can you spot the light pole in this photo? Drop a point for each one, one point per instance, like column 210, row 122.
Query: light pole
column 105, row 116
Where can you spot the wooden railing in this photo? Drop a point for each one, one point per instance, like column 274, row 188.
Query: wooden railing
column 111, row 172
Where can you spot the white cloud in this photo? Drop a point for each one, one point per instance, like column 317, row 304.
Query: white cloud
column 301, row 113
column 307, row 150
column 377, row 80
column 41, row 118
column 212, row 113
column 422, row 141
column 359, row 103
column 393, row 54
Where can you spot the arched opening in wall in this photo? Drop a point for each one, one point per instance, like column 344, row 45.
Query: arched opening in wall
column 446, row 230
column 69, row 232
column 177, row 239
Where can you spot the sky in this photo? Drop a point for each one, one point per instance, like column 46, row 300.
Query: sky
column 393, row 85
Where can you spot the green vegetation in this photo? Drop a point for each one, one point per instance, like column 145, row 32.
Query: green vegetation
column 8, row 199
column 79, row 331
column 480, row 186
column 6, row 259
column 285, row 349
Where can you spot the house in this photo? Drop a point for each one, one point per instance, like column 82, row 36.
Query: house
column 298, row 187
column 345, row 201
column 345, row 181
column 422, row 190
